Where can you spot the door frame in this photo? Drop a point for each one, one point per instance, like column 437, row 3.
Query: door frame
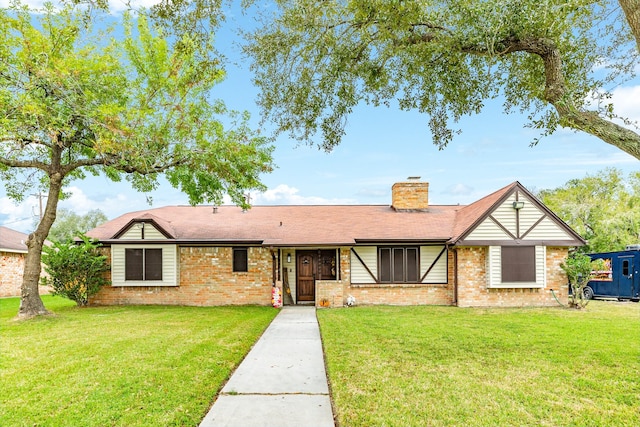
column 314, row 269
column 316, row 256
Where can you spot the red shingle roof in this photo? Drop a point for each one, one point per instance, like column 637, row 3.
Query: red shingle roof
column 293, row 225
column 313, row 225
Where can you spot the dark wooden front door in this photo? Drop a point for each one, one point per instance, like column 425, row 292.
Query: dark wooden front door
column 312, row 266
column 306, row 283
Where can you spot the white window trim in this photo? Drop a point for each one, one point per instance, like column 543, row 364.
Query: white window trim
column 494, row 270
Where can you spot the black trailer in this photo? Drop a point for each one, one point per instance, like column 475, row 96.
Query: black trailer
column 620, row 278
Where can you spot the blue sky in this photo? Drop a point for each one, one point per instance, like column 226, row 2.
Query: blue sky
column 382, row 146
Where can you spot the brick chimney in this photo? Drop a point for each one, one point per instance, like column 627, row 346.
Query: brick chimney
column 411, row 195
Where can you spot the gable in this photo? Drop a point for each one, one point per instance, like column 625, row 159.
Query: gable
column 141, row 230
column 532, row 223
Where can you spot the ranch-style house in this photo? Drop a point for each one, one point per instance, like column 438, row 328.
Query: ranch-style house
column 502, row 250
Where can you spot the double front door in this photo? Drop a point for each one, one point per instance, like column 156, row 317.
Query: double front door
column 311, row 266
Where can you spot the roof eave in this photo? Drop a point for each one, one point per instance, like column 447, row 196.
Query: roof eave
column 184, row 242
column 14, row 250
column 557, row 243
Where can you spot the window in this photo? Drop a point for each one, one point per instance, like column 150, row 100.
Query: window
column 398, row 265
column 143, row 264
column 518, row 264
column 240, row 260
column 625, row 267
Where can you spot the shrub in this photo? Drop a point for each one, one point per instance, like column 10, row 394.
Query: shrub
column 579, row 269
column 76, row 270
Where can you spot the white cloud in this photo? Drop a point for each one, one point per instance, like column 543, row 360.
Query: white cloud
column 19, row 216
column 111, row 205
column 626, row 101
column 286, row 195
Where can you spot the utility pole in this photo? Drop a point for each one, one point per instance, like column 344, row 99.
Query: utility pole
column 40, row 196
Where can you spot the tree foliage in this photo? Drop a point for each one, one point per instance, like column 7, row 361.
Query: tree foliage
column 78, row 98
column 75, row 271
column 317, row 60
column 579, row 269
column 70, row 225
column 604, row 208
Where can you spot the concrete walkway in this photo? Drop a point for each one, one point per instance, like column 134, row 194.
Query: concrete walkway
column 282, row 381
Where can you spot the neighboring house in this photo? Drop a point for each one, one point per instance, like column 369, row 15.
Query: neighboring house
column 503, row 250
column 13, row 250
column 12, row 254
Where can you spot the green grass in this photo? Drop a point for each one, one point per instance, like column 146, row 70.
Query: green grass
column 447, row 366
column 119, row 366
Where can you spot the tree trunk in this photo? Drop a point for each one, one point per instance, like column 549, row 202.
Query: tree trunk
column 631, row 10
column 30, row 302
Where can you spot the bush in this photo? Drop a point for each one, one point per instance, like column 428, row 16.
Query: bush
column 579, row 269
column 76, row 271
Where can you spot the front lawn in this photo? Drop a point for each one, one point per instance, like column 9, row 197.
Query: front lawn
column 119, row 366
column 447, row 366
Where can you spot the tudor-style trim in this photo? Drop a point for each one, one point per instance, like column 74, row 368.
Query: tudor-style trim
column 516, row 187
column 484, row 216
column 503, row 228
column 517, row 193
column 353, row 251
column 542, row 218
column 151, row 221
column 435, row 261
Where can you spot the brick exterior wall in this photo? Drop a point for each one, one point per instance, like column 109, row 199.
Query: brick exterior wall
column 409, row 294
column 412, row 195
column 205, row 279
column 11, row 270
column 472, row 282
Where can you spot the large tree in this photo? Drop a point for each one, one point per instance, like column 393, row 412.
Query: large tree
column 604, row 208
column 317, row 60
column 79, row 99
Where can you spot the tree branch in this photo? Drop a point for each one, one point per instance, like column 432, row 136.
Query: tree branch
column 14, row 163
column 555, row 92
